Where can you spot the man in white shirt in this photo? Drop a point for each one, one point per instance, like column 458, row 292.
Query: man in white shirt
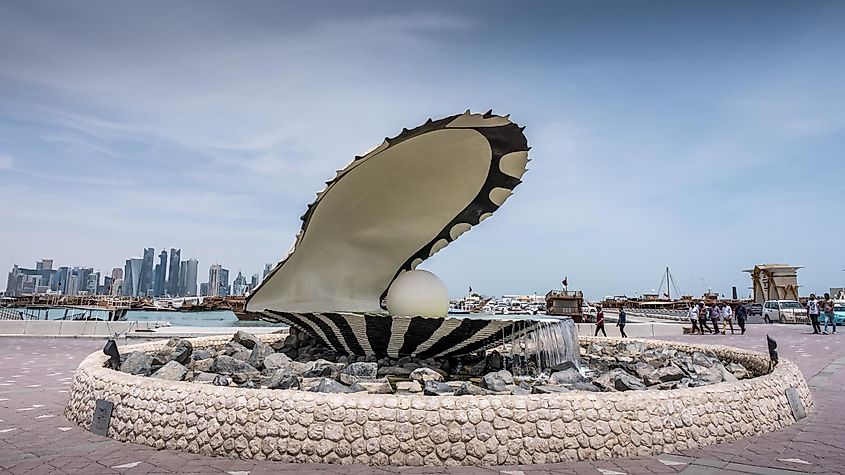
column 813, row 312
column 727, row 315
column 692, row 314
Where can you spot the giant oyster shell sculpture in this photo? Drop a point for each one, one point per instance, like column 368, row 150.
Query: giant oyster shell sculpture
column 384, row 214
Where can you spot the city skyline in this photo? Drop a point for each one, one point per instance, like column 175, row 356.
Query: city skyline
column 701, row 136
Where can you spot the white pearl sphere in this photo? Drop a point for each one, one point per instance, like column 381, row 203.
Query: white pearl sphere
column 418, row 292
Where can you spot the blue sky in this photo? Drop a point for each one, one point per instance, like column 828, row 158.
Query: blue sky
column 704, row 136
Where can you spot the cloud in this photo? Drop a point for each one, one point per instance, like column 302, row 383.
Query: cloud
column 6, row 161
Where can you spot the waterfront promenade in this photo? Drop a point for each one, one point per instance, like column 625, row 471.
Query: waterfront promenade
column 35, row 437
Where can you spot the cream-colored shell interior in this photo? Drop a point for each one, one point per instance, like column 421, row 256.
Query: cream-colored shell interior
column 370, row 222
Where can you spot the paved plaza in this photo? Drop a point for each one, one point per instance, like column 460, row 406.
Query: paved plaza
column 35, row 437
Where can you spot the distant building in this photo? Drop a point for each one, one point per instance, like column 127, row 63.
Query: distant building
column 253, row 282
column 132, row 277
column 116, row 274
column 22, row 281
column 106, row 288
column 147, row 279
column 240, row 285
column 174, row 278
column 204, row 289
column 218, row 281
column 44, row 264
column 191, row 277
column 116, row 287
column 267, row 269
column 92, row 283
column 183, row 274
column 774, row 282
column 160, row 275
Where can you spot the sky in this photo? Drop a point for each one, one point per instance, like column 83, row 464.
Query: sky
column 703, row 136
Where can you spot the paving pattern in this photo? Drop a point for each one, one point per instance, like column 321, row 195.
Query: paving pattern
column 36, row 438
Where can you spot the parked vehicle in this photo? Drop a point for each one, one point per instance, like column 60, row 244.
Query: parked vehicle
column 755, row 309
column 784, row 311
column 838, row 313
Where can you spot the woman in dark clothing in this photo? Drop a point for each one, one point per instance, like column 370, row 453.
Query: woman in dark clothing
column 714, row 318
column 623, row 319
column 600, row 322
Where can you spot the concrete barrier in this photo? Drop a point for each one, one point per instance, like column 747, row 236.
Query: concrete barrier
column 78, row 328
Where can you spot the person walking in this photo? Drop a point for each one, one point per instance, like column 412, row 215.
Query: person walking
column 702, row 318
column 600, row 321
column 829, row 319
column 727, row 318
column 741, row 315
column 623, row 319
column 714, row 317
column 692, row 314
column 813, row 312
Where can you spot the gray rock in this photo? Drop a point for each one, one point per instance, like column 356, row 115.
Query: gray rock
column 201, row 354
column 727, row 376
column 275, row 361
column 566, row 365
column 242, row 355
column 173, row 371
column 283, row 378
column 249, row 384
column 202, row 365
column 202, row 377
column 437, row 388
column 710, row 375
column 519, row 391
column 586, row 386
column 497, row 381
column 568, row 376
column 358, row 371
column 738, row 370
column 398, row 371
column 176, row 349
column 664, row 375
column 220, row 381
column 138, row 363
column 259, row 352
column 469, row 389
column 248, row 340
column 423, row 375
column 375, row 386
column 549, row 389
column 233, row 347
column 228, row 365
column 357, row 388
column 619, row 380
column 241, row 378
column 642, row 369
column 411, row 387
column 701, row 359
column 328, row 385
column 322, row 368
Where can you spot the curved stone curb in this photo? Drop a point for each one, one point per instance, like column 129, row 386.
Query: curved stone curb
column 299, row 426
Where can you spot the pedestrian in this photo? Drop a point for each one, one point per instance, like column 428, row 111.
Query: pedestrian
column 741, row 315
column 702, row 318
column 727, row 315
column 623, row 319
column 692, row 314
column 600, row 321
column 828, row 314
column 813, row 312
column 714, row 317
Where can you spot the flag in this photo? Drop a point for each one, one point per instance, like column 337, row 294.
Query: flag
column 565, row 284
column 470, row 289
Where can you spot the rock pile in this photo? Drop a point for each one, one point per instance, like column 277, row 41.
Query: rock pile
column 299, row 362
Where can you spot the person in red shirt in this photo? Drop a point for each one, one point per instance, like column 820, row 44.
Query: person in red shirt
column 600, row 321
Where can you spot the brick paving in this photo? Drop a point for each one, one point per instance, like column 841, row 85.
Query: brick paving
column 36, row 438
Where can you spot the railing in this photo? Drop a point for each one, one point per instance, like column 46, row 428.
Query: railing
column 10, row 314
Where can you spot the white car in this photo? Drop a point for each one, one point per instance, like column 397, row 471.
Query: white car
column 784, row 311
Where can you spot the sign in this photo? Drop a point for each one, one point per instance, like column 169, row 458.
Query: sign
column 102, row 417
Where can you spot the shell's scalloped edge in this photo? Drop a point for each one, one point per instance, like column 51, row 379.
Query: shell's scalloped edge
column 304, row 427
column 510, row 141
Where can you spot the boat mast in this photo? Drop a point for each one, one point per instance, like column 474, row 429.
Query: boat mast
column 668, row 289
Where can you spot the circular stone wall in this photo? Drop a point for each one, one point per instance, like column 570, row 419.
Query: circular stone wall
column 299, row 426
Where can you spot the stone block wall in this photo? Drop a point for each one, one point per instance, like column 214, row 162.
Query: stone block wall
column 299, row 426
